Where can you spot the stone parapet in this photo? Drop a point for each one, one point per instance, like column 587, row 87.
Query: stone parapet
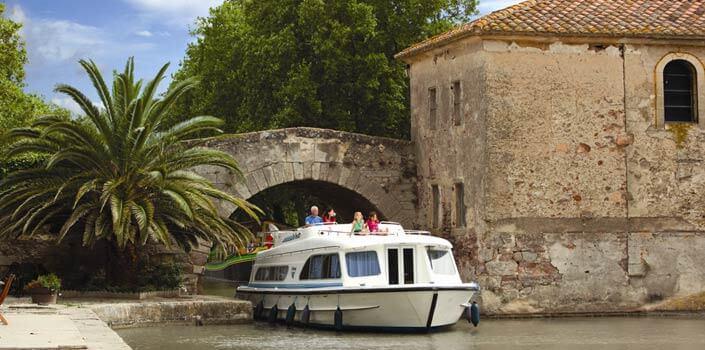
column 204, row 310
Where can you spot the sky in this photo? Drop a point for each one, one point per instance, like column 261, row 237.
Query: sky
column 60, row 32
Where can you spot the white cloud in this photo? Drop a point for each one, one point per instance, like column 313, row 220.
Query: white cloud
column 68, row 103
column 52, row 41
column 144, row 33
column 64, row 40
column 17, row 14
column 176, row 12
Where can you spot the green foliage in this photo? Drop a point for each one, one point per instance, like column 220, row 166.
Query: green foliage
column 122, row 173
column 31, row 160
column 50, row 281
column 272, row 63
column 17, row 108
column 160, row 277
column 13, row 55
column 148, row 278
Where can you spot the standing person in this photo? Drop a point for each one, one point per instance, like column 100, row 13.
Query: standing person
column 358, row 224
column 313, row 219
column 329, row 216
column 372, row 222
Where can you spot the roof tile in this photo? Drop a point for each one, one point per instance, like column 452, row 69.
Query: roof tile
column 659, row 19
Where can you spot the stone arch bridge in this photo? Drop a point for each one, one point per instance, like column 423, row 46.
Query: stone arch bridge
column 349, row 168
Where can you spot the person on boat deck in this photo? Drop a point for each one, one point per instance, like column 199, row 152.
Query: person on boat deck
column 329, row 216
column 313, row 219
column 372, row 222
column 269, row 241
column 358, row 224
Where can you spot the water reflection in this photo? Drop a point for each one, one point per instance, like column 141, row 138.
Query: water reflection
column 570, row 333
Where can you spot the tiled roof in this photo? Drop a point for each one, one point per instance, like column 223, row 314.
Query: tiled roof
column 658, row 19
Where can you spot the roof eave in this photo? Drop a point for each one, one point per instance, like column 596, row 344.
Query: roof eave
column 405, row 55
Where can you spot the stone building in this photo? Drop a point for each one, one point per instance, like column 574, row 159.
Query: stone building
column 561, row 146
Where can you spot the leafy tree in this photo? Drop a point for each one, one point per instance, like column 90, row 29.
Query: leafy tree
column 13, row 55
column 280, row 63
column 16, row 107
column 121, row 173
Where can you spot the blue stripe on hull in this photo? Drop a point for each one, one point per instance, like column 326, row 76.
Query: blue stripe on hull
column 294, row 285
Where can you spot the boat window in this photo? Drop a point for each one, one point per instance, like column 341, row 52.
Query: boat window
column 441, row 261
column 321, row 267
column 362, row 264
column 271, row 273
column 408, row 255
column 393, row 265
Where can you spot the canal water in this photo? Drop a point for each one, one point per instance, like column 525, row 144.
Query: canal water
column 567, row 333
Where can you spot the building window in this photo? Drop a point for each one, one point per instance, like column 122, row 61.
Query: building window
column 321, row 267
column 680, row 92
column 436, row 205
column 459, row 190
column 457, row 99
column 271, row 273
column 432, row 108
column 362, row 264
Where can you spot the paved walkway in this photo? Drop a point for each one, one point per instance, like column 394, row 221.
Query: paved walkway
column 85, row 324
column 56, row 327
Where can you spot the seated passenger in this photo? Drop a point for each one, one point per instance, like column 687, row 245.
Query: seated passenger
column 358, row 224
column 313, row 219
column 372, row 222
column 329, row 216
column 269, row 241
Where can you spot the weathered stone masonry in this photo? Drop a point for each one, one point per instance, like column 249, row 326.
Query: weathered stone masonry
column 379, row 169
column 577, row 198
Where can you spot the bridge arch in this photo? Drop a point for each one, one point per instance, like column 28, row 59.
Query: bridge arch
column 381, row 171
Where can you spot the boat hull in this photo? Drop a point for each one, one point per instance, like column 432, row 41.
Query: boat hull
column 400, row 309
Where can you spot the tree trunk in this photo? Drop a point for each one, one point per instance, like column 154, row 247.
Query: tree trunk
column 121, row 265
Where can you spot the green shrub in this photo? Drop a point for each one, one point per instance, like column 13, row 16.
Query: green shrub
column 148, row 278
column 50, row 281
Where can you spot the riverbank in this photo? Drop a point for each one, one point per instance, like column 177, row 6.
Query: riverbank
column 95, row 323
column 89, row 324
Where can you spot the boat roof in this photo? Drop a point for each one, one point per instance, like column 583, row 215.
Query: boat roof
column 340, row 236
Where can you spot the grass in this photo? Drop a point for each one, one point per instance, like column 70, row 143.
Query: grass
column 693, row 302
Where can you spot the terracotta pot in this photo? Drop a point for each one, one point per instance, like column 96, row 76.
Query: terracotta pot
column 43, row 295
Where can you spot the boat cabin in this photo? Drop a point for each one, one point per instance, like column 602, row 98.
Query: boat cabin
column 331, row 255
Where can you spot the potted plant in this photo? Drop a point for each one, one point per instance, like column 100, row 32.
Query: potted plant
column 44, row 289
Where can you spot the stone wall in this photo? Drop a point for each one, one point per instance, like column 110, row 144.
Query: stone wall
column 581, row 200
column 451, row 153
column 208, row 310
column 70, row 257
column 380, row 170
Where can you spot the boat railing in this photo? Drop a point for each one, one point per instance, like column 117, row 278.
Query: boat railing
column 345, row 233
column 362, row 233
column 418, row 232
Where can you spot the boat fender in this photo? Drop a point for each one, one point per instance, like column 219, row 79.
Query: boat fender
column 290, row 314
column 472, row 313
column 338, row 319
column 273, row 313
column 259, row 309
column 306, row 315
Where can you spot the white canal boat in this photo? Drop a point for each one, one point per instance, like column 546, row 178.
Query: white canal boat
column 325, row 276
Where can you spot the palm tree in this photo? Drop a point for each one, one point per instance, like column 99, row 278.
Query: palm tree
column 120, row 173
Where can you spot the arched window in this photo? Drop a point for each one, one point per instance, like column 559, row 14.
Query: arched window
column 680, row 92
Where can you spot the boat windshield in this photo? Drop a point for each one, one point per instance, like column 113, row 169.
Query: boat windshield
column 441, row 261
